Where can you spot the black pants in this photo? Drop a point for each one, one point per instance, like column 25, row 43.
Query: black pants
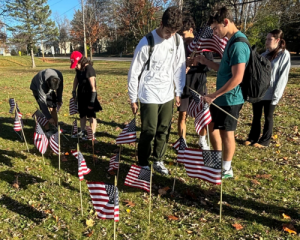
column 256, row 126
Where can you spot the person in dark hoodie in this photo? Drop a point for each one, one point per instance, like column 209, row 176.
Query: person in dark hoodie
column 47, row 88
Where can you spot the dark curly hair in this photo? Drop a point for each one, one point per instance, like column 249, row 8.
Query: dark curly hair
column 83, row 61
column 188, row 23
column 172, row 18
column 219, row 15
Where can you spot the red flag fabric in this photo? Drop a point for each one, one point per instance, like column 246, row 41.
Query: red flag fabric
column 72, row 107
column 82, row 167
column 203, row 117
column 105, row 199
column 90, row 134
column 114, row 163
column 54, row 142
column 42, row 120
column 75, row 128
column 138, row 177
column 74, row 153
column 18, row 123
column 195, row 167
column 40, row 140
column 128, row 135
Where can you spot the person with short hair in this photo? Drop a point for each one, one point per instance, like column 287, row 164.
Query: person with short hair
column 281, row 63
column 47, row 88
column 154, row 87
column 86, row 96
column 195, row 79
column 229, row 95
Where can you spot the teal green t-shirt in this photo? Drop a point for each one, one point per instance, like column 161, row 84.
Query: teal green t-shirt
column 239, row 52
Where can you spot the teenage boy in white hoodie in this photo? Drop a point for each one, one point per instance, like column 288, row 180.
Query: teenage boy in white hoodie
column 152, row 83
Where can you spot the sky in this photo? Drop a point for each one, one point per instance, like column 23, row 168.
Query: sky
column 64, row 7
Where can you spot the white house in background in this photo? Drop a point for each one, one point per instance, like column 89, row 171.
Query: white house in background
column 46, row 47
column 4, row 51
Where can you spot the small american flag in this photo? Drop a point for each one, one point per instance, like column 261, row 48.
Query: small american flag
column 75, row 128
column 114, row 163
column 212, row 158
column 203, row 117
column 128, row 135
column 12, row 105
column 194, row 105
column 138, row 177
column 54, row 143
column 181, row 150
column 74, row 153
column 205, row 39
column 90, row 134
column 42, row 120
column 82, row 167
column 195, row 167
column 105, row 199
column 72, row 107
column 40, row 140
column 18, row 123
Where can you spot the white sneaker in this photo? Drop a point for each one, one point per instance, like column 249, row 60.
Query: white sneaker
column 203, row 144
column 159, row 166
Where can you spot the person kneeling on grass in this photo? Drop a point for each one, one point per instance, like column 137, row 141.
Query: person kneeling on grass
column 85, row 82
column 47, row 88
column 195, row 79
column 155, row 86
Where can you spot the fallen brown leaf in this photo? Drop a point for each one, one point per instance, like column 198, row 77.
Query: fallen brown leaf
column 237, row 226
column 286, row 216
column 163, row 191
column 288, row 227
column 255, row 182
column 171, row 217
column 90, row 233
column 189, row 232
column 129, row 203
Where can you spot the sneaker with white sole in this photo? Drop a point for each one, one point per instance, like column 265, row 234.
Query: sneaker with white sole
column 203, row 144
column 227, row 173
column 159, row 166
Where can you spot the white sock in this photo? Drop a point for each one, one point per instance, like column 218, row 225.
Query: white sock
column 202, row 138
column 226, row 165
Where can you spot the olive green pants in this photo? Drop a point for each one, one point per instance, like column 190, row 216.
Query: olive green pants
column 155, row 124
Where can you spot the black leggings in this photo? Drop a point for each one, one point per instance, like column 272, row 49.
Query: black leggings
column 256, row 126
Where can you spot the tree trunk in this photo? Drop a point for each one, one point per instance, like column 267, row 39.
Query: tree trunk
column 32, row 57
column 91, row 51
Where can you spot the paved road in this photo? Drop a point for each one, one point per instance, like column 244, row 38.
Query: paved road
column 295, row 59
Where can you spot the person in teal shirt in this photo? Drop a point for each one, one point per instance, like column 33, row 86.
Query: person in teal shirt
column 229, row 95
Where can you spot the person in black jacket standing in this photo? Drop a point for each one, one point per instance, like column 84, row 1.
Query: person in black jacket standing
column 195, row 79
column 85, row 82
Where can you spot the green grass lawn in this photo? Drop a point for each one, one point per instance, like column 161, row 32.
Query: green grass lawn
column 266, row 183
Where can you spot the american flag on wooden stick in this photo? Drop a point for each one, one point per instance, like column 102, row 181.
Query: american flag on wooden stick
column 194, row 105
column 18, row 123
column 74, row 153
column 181, row 150
column 82, row 167
column 40, row 117
column 12, row 105
column 205, row 39
column 90, row 134
column 75, row 128
column 203, row 117
column 105, row 199
column 72, row 107
column 128, row 135
column 198, row 165
column 114, row 163
column 54, row 143
column 138, row 177
column 40, row 140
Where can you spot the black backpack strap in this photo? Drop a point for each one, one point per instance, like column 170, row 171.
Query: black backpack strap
column 150, row 40
column 240, row 39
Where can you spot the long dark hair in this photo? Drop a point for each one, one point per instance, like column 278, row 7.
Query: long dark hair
column 277, row 34
column 83, row 61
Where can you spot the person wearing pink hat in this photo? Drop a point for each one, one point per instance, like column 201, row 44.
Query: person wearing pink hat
column 86, row 95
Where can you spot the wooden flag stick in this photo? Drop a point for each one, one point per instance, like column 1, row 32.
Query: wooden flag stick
column 173, row 188
column 59, row 155
column 80, row 193
column 150, row 193
column 217, row 106
column 115, row 223
column 120, row 149
column 16, row 111
column 93, row 144
column 221, row 193
column 77, row 131
column 43, row 158
column 135, row 145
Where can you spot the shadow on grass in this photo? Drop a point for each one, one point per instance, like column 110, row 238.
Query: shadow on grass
column 22, row 209
column 24, row 179
column 6, row 155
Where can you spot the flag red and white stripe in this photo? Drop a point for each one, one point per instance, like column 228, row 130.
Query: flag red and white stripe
column 54, row 143
column 105, row 199
column 40, row 140
column 72, row 107
column 128, row 135
column 114, row 163
column 203, row 117
column 195, row 168
column 40, row 117
column 90, row 134
column 75, row 128
column 82, row 167
column 138, row 177
column 74, row 153
column 18, row 123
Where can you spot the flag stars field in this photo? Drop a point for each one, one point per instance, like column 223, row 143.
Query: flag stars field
column 266, row 183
